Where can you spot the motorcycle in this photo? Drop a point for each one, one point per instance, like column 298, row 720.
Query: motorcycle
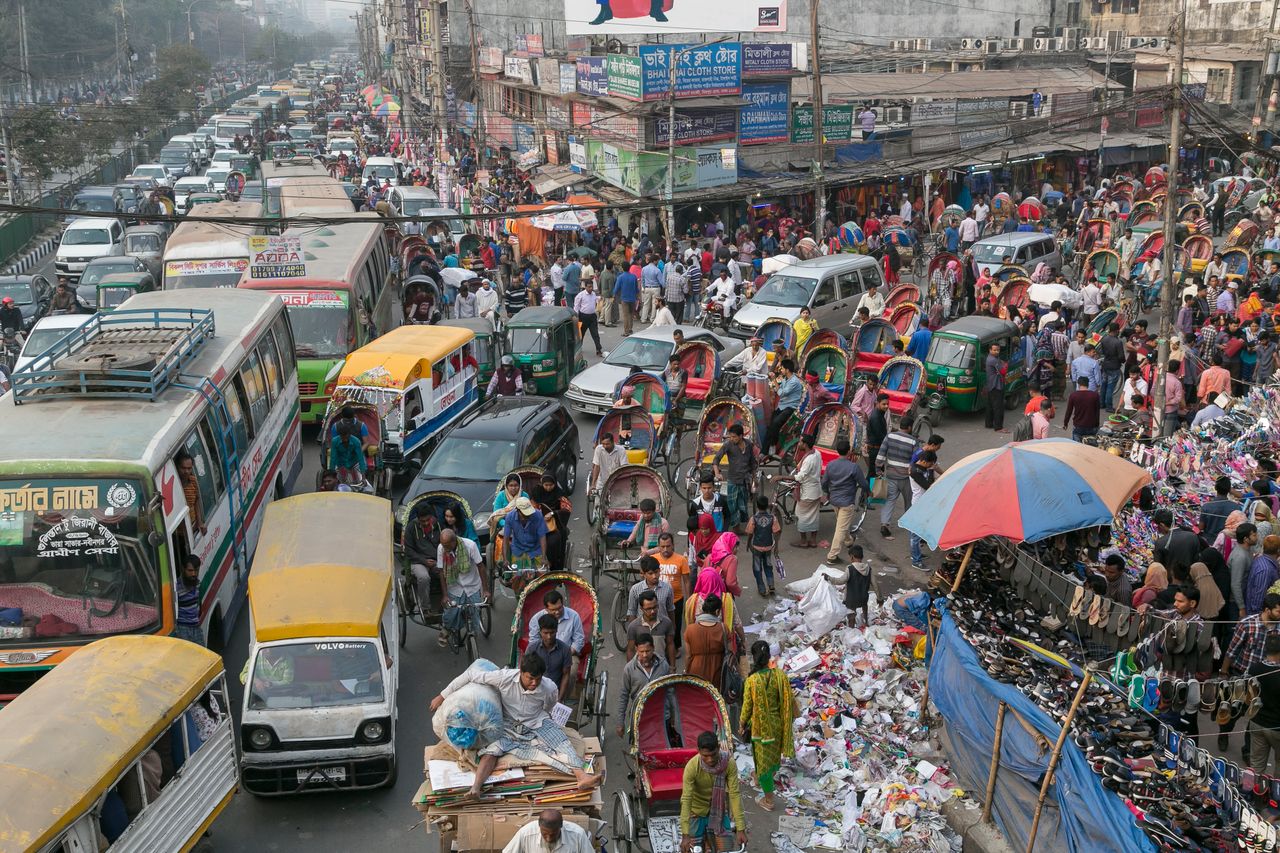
column 10, row 348
column 713, row 317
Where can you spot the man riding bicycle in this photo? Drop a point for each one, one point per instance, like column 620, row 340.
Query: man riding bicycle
column 461, row 569
column 525, row 530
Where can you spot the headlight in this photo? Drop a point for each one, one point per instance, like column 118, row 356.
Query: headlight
column 373, row 731
column 482, row 520
column 574, row 389
column 260, row 738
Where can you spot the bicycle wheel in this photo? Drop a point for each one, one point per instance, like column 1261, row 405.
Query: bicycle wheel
column 786, row 506
column 618, row 618
column 473, row 647
column 486, row 620
column 685, row 469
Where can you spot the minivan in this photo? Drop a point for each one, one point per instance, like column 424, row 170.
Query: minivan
column 384, row 169
column 1027, row 249
column 84, row 240
column 830, row 286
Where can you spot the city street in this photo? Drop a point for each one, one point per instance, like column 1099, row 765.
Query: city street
column 385, row 820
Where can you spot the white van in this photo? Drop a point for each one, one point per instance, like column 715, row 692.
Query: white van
column 384, row 169
column 84, row 240
column 830, row 285
column 1027, row 249
column 45, row 333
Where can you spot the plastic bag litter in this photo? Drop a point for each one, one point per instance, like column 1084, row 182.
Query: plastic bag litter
column 802, row 586
column 472, row 716
column 822, row 609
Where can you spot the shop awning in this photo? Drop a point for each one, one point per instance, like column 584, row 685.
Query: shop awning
column 548, row 179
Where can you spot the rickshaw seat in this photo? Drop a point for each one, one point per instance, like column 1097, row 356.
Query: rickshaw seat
column 621, row 522
column 836, row 388
column 697, row 388
column 826, row 455
column 871, row 362
column 899, row 401
column 664, row 772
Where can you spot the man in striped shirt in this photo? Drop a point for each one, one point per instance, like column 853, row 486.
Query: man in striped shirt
column 894, row 463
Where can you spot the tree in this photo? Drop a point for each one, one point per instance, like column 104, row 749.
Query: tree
column 44, row 143
column 179, row 71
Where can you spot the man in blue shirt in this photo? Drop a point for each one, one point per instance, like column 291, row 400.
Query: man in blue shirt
column 951, row 235
column 572, row 277
column 790, row 393
column 626, row 290
column 918, row 345
column 526, row 532
column 1087, row 367
column 651, row 288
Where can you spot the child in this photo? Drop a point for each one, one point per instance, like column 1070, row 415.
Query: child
column 762, row 531
column 858, row 589
column 647, row 529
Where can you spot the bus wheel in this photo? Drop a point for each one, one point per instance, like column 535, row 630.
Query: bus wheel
column 214, row 641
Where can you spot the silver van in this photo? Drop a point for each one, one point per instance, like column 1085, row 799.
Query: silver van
column 1027, row 249
column 829, row 285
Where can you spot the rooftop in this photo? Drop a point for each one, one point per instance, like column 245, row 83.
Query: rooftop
column 851, row 87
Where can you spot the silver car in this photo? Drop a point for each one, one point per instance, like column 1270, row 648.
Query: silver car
column 591, row 391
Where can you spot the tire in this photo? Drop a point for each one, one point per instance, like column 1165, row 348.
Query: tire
column 473, row 648
column 570, row 480
column 486, row 620
column 923, row 426
column 623, row 824
column 786, row 503
column 617, row 617
column 404, row 621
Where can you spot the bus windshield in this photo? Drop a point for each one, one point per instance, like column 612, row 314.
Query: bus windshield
column 316, row 675
column 321, row 324
column 74, row 561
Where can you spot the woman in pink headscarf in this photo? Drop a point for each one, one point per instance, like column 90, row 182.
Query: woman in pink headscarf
column 724, row 559
column 1042, row 274
column 710, row 583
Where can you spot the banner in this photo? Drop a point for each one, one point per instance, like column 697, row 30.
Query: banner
column 644, row 173
column 526, row 138
column 518, row 68
column 766, row 119
column 490, row 60
column 548, row 75
column 701, row 70
column 837, row 123
column 595, row 122
column 568, row 78
column 577, row 154
column 697, row 126
column 715, row 169
column 933, row 113
column 276, row 256
column 982, row 111
column 631, row 17
column 593, row 76
column 765, row 58
column 625, row 76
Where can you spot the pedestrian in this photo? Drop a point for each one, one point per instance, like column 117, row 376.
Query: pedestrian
column 808, row 479
column 706, row 640
column 742, row 460
column 762, row 536
column 1263, row 572
column 644, row 664
column 877, row 429
column 585, row 305
column 894, row 463
column 924, row 471
column 769, row 708
column 1264, row 727
column 1083, row 411
column 844, row 487
column 710, row 802
column 608, row 310
column 651, row 281
column 996, row 369
column 626, row 290
column 676, row 286
column 662, row 315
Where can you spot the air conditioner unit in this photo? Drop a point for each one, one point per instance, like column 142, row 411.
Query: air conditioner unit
column 992, row 46
column 1018, row 109
column 1115, row 39
column 1015, row 44
column 1097, row 42
column 1075, row 33
column 1056, row 44
column 893, row 115
column 1040, row 44
column 924, row 44
column 970, row 44
column 1066, row 44
column 900, row 44
column 1149, row 42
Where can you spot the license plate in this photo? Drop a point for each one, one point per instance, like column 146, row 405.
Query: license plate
column 320, row 775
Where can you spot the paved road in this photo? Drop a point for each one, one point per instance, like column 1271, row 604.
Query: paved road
column 384, row 820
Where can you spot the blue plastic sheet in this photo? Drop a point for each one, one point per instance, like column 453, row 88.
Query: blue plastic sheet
column 1079, row 815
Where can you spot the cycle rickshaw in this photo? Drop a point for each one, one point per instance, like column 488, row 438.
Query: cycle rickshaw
column 663, row 725
column 832, row 365
column 650, row 393
column 592, row 683
column 377, row 476
column 873, row 346
column 514, row 575
column 713, row 432
column 701, row 363
column 828, row 425
column 632, row 428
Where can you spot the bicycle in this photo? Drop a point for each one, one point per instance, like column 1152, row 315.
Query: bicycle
column 622, row 570
column 464, row 637
column 411, row 609
column 783, row 505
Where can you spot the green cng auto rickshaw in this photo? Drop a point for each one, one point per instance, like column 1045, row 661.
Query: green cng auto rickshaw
column 489, row 347
column 282, row 150
column 547, row 347
column 956, row 364
column 115, row 288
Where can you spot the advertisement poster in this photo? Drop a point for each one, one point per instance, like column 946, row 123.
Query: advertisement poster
column 837, row 123
column 593, row 76
column 568, row 78
column 636, row 17
column 701, row 70
column 766, row 119
column 276, row 256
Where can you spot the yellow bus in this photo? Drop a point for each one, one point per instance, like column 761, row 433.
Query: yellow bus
column 128, row 745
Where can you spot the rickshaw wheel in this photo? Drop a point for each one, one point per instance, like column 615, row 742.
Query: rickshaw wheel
column 593, row 507
column 923, row 426
column 618, row 616
column 625, row 832
column 403, row 613
column 473, row 648
column 486, row 617
column 685, row 469
column 601, row 705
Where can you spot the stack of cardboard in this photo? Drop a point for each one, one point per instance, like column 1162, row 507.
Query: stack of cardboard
column 513, row 795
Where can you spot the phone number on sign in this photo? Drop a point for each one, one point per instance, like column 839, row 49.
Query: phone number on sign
column 278, row 271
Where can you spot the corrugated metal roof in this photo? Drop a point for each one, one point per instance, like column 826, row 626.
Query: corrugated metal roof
column 1013, row 83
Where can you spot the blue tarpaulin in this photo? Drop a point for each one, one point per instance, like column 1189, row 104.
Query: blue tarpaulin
column 859, row 152
column 1079, row 815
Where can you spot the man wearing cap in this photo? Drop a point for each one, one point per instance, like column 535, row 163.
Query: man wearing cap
column 10, row 315
column 487, row 301
column 1226, row 302
column 753, row 359
column 506, row 381
column 526, row 531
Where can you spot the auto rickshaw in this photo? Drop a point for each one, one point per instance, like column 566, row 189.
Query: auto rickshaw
column 196, row 199
column 489, row 347
column 282, row 149
column 146, row 242
column 115, row 288
column 547, row 347
column 957, row 359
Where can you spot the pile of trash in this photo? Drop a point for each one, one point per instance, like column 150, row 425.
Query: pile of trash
column 860, row 781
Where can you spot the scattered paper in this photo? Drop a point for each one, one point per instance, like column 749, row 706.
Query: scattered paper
column 447, row 775
column 804, row 661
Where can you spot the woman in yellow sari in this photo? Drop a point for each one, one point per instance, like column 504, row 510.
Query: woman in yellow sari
column 804, row 326
column 768, row 710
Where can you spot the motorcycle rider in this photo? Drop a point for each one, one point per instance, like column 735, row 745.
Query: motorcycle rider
column 506, row 381
column 10, row 315
column 724, row 294
column 64, row 300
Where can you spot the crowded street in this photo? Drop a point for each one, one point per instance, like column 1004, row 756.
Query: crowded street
column 577, row 441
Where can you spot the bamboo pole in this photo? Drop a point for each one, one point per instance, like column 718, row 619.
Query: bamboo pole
column 995, row 764
column 964, row 565
column 1053, row 759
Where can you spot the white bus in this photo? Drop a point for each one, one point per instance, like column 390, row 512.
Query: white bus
column 94, row 518
column 210, row 254
column 227, row 127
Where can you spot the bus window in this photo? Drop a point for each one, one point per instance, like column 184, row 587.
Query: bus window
column 283, row 334
column 234, row 395
column 255, row 388
column 271, row 365
column 205, row 477
column 215, row 456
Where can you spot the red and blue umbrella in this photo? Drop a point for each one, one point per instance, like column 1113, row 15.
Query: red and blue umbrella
column 1025, row 491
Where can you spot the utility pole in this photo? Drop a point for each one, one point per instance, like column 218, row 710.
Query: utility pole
column 671, row 147
column 819, row 187
column 475, row 81
column 10, row 183
column 1269, row 70
column 128, row 48
column 24, row 52
column 1168, row 292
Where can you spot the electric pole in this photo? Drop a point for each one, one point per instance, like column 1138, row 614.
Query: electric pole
column 671, row 147
column 475, row 81
column 1168, row 293
column 24, row 53
column 1269, row 69
column 819, row 187
column 9, row 180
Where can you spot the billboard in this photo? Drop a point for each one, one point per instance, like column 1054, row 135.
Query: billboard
column 705, row 125
column 593, row 76
column 701, row 70
column 758, row 58
column 837, row 123
column 632, row 17
column 766, row 119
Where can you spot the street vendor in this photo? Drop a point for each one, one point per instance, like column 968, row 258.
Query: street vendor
column 709, row 799
column 528, row 732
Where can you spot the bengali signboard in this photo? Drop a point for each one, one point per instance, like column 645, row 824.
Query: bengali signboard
column 644, row 173
column 933, row 113
column 490, row 60
column 598, row 122
column 625, row 76
column 577, row 154
column 276, row 256
column 568, row 78
column 765, row 120
column 837, row 123
column 526, row 138
column 982, row 111
column 697, row 126
column 548, row 75
column 716, row 167
column 557, row 114
column 765, row 58
column 518, row 68
column 701, row 71
column 583, row 17
column 593, row 76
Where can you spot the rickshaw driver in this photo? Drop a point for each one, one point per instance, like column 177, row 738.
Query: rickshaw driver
column 710, row 787
column 461, row 568
column 526, row 532
column 528, row 732
column 568, row 626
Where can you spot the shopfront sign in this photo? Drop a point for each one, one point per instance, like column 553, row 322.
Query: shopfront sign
column 568, row 78
column 933, row 113
column 982, row 111
column 837, row 123
column 765, row 59
column 697, row 126
column 518, row 68
column 625, row 76
column 593, row 76
column 765, row 120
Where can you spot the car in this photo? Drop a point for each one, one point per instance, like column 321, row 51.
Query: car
column 96, row 269
column 163, row 175
column 31, row 293
column 178, row 159
column 218, row 174
column 145, row 183
column 196, row 147
column 98, row 199
column 132, row 196
column 184, row 187
column 85, row 239
column 382, row 169
column 591, row 391
column 45, row 333
column 503, row 433
column 222, row 157
column 411, row 201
